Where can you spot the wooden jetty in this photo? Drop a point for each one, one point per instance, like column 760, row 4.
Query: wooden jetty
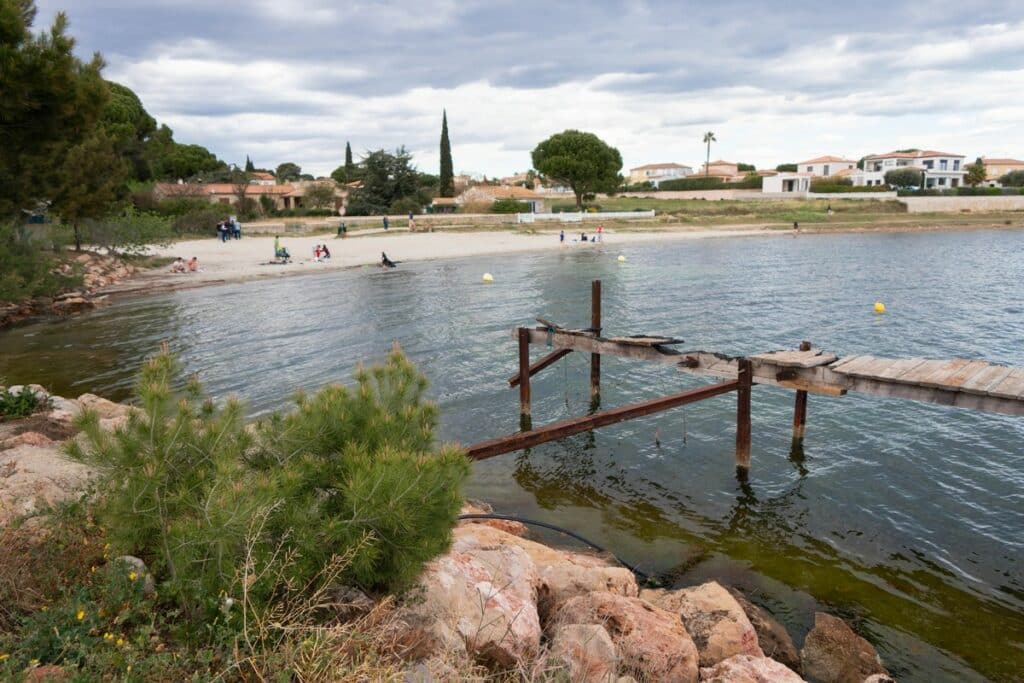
column 961, row 383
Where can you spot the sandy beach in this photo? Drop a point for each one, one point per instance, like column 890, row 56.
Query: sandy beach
column 252, row 257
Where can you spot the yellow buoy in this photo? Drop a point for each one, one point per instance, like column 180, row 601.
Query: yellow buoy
column 488, row 277
column 622, row 259
column 879, row 307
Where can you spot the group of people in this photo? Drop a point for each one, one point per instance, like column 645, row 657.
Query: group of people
column 181, row 266
column 321, row 253
column 228, row 228
column 599, row 237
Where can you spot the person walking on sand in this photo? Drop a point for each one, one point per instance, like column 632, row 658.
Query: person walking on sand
column 561, row 238
column 385, row 223
column 600, row 233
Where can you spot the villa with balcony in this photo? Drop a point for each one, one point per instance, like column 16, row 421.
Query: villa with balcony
column 941, row 170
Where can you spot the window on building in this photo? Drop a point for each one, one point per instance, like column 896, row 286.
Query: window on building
column 825, row 171
column 956, row 164
column 810, row 169
column 942, row 164
column 929, row 164
column 942, row 181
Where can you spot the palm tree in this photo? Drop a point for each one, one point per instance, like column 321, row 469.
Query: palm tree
column 709, row 137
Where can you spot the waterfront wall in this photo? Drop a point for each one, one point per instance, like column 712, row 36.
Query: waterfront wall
column 963, row 204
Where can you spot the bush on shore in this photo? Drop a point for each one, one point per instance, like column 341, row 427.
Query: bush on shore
column 218, row 510
column 26, row 269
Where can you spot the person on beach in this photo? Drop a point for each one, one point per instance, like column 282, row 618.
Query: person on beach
column 236, row 228
column 316, row 254
column 193, row 265
column 178, row 266
column 583, row 237
column 412, row 222
column 385, row 262
column 279, row 251
column 222, row 231
column 385, row 222
column 325, row 253
column 600, row 233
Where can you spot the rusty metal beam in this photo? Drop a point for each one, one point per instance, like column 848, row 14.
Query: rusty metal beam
column 540, row 364
column 575, row 425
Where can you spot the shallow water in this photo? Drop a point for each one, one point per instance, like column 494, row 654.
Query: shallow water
column 906, row 518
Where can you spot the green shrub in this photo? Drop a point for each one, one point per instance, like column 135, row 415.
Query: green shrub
column 752, row 181
column 359, row 469
column 979, row 191
column 1013, row 179
column 694, row 183
column 26, row 269
column 509, row 206
column 19, row 405
column 202, row 221
column 205, row 501
column 405, row 206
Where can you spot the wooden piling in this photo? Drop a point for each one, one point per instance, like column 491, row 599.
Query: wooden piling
column 524, row 373
column 595, row 326
column 800, row 411
column 744, row 378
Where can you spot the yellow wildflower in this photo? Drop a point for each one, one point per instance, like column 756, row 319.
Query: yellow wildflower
column 80, row 614
column 4, row 657
column 120, row 642
column 45, row 607
column 108, row 636
column 129, row 670
column 132, row 576
column 33, row 662
column 93, row 569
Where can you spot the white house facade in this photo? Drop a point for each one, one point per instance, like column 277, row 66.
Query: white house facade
column 657, row 173
column 825, row 166
column 787, row 182
column 941, row 170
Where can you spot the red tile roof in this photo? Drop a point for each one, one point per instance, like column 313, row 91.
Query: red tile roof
column 652, row 167
column 827, row 159
column 919, row 154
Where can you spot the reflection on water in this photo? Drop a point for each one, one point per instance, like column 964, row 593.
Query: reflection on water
column 905, row 518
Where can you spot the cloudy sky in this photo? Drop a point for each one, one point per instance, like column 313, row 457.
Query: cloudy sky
column 776, row 81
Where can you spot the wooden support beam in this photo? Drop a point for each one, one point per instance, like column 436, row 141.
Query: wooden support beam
column 800, row 410
column 744, row 382
column 540, row 365
column 595, row 326
column 524, row 372
column 559, row 430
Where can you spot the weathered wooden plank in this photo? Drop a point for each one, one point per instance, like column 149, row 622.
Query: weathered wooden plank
column 646, row 340
column 936, row 379
column 795, row 359
column 869, row 369
column 1012, row 386
column 843, row 361
column 956, row 378
column 958, row 399
column 901, row 366
column 812, row 387
column 980, row 382
column 919, row 372
column 858, row 362
column 559, row 430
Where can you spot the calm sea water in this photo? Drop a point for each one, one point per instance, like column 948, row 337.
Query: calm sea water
column 905, row 518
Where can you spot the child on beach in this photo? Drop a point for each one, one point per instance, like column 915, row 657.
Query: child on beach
column 193, row 265
column 178, row 266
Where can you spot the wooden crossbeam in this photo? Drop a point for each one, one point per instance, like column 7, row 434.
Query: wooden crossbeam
column 540, row 364
column 575, row 425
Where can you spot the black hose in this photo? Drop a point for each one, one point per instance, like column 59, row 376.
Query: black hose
column 644, row 578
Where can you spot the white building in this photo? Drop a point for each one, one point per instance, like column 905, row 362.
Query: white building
column 656, row 173
column 826, row 166
column 941, row 170
column 785, row 182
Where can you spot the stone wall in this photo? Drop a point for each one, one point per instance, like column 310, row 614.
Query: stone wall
column 963, row 204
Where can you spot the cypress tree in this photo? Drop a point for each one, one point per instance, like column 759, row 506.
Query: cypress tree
column 447, row 174
column 350, row 168
column 249, row 166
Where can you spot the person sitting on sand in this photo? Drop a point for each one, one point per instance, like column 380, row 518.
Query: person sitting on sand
column 385, row 262
column 178, row 266
column 325, row 253
column 279, row 251
column 193, row 265
column 316, row 254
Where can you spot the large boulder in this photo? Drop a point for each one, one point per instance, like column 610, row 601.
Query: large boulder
column 833, row 653
column 476, row 507
column 586, row 650
column 772, row 636
column 747, row 669
column 561, row 574
column 477, row 601
column 103, row 408
column 35, row 477
column 713, row 618
column 652, row 643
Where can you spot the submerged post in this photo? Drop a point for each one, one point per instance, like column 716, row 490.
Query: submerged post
column 524, row 375
column 745, row 378
column 800, row 412
column 595, row 326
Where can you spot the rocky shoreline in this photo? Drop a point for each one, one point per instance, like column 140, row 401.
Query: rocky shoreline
column 500, row 599
column 99, row 271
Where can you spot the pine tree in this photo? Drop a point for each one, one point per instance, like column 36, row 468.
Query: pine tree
column 350, row 168
column 249, row 166
column 447, row 174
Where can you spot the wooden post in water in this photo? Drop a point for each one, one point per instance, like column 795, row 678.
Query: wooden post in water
column 524, row 376
column 800, row 412
column 745, row 378
column 595, row 326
